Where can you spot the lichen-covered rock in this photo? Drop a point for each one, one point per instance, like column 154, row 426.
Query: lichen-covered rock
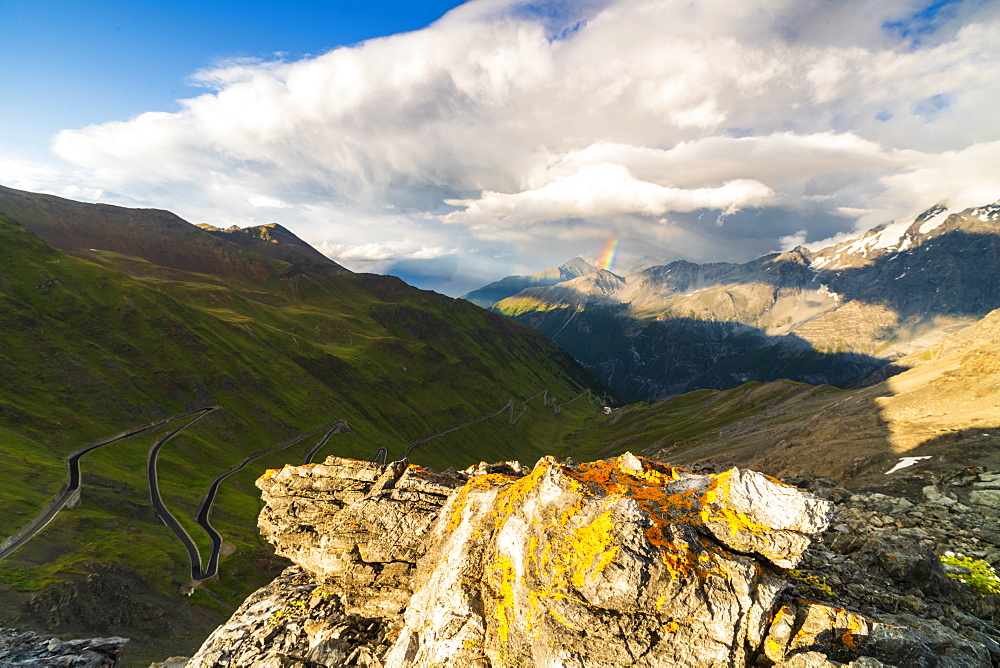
column 294, row 622
column 28, row 649
column 618, row 562
column 565, row 564
column 612, row 563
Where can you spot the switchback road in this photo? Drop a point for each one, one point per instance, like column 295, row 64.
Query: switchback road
column 73, row 480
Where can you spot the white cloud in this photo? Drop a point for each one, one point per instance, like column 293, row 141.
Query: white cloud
column 36, row 177
column 968, row 177
column 791, row 241
column 379, row 255
column 432, row 253
column 576, row 120
column 602, row 191
column 373, row 252
column 264, row 202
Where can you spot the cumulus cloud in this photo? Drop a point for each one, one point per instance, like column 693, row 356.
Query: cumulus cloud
column 602, row 191
column 575, row 121
column 264, row 202
column 791, row 241
column 377, row 255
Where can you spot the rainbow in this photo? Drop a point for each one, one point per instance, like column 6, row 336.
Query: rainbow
column 610, row 253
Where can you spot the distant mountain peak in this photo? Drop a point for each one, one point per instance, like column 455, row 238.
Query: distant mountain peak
column 508, row 286
column 905, row 234
column 577, row 266
column 600, row 283
column 825, row 316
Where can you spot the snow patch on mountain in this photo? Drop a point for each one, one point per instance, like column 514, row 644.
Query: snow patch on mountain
column 931, row 222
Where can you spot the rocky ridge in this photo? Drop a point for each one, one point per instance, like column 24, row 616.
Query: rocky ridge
column 945, row 408
column 611, row 563
column 490, row 294
column 880, row 557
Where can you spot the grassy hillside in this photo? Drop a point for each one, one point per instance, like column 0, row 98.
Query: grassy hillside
column 93, row 346
column 672, row 428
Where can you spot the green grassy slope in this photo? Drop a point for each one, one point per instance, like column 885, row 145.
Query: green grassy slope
column 669, row 429
column 92, row 346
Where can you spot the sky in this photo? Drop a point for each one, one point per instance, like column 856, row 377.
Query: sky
column 452, row 144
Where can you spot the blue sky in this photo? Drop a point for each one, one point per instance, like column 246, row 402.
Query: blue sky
column 452, row 144
column 69, row 63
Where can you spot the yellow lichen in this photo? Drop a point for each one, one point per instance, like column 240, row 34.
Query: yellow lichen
column 562, row 620
column 504, row 613
column 773, row 650
column 590, row 544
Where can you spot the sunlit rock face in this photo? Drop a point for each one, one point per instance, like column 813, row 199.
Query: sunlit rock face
column 617, row 562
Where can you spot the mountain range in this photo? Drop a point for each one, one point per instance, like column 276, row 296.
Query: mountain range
column 827, row 316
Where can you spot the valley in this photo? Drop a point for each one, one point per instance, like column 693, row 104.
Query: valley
column 140, row 316
column 245, row 349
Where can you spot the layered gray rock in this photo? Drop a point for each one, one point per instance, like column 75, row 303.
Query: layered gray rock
column 26, row 648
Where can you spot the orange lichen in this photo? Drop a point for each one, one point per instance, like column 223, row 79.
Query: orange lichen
column 269, row 473
column 570, row 547
column 649, row 488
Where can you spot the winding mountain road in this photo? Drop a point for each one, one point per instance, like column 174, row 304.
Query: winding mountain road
column 73, row 480
column 194, row 556
column 198, row 574
column 512, row 419
column 339, row 427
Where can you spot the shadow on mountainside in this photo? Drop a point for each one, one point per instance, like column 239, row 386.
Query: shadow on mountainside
column 649, row 356
column 852, row 436
column 651, row 359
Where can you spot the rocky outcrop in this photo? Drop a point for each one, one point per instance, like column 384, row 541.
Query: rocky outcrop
column 614, row 562
column 623, row 562
column 26, row 648
column 619, row 561
column 880, row 557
